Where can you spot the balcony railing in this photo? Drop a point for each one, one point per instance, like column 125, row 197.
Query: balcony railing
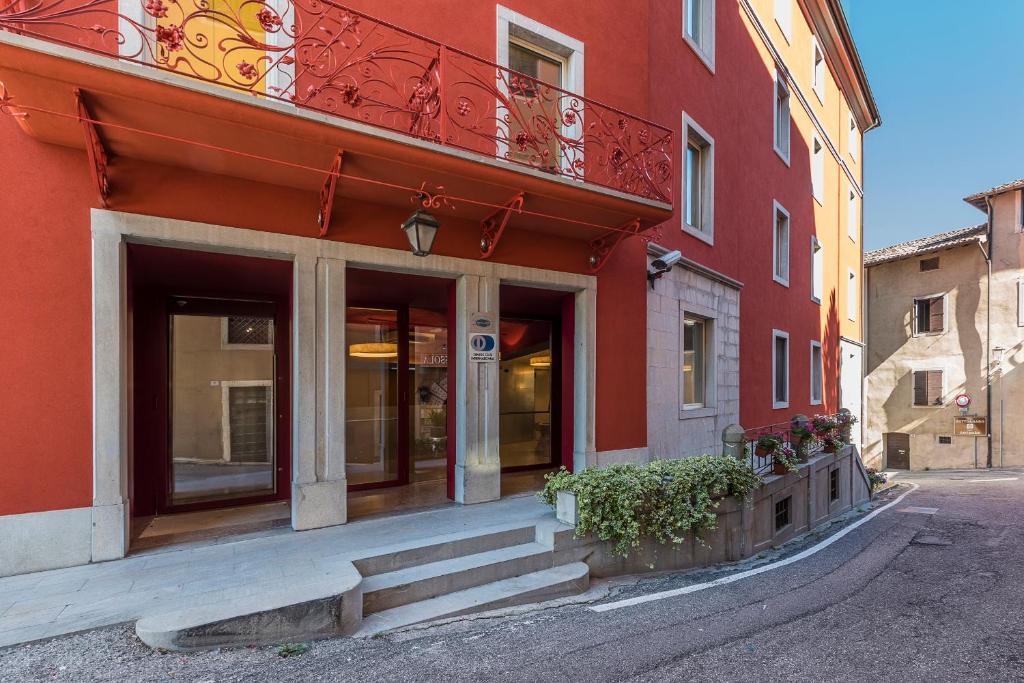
column 319, row 55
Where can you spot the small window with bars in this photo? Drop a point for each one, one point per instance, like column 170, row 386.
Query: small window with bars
column 833, row 485
column 928, row 388
column 929, row 315
column 247, row 332
column 782, row 513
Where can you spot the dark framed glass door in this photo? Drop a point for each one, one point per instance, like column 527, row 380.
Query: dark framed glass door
column 224, row 407
column 527, row 402
column 396, row 396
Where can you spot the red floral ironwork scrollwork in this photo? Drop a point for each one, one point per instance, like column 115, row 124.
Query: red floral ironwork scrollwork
column 321, row 55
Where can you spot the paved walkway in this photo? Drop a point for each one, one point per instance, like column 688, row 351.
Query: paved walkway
column 60, row 601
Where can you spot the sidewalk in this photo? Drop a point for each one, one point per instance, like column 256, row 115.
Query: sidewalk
column 60, row 601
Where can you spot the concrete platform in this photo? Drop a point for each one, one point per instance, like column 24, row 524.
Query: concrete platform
column 61, row 601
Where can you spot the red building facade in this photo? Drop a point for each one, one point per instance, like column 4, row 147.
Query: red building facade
column 211, row 292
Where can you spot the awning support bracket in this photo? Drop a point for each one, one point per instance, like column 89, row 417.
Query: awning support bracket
column 493, row 227
column 602, row 247
column 94, row 148
column 323, row 218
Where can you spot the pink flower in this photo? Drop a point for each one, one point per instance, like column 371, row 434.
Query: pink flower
column 268, row 20
column 155, row 8
column 172, row 36
column 569, row 117
column 350, row 94
column 247, row 70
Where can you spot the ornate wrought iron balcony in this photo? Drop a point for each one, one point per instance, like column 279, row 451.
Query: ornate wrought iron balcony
column 319, row 55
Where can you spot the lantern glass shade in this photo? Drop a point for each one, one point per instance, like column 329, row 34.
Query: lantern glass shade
column 421, row 229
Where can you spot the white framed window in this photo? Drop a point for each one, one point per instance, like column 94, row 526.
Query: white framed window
column 817, row 269
column 817, row 169
column 853, row 140
column 784, row 17
column 780, row 369
column 851, row 295
column 780, row 244
column 698, row 182
column 697, row 352
column 539, row 51
column 929, row 315
column 699, row 29
column 852, row 226
column 241, row 333
column 816, row 373
column 928, row 388
column 781, row 117
column 818, row 70
column 1018, row 210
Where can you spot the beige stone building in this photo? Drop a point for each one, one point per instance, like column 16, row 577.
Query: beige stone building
column 945, row 318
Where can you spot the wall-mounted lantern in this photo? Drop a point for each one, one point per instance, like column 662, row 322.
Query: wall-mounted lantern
column 421, row 229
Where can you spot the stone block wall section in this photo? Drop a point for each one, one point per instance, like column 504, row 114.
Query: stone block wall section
column 743, row 530
column 672, row 430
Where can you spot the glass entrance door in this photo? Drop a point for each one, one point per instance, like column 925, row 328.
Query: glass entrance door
column 525, row 394
column 222, row 403
column 396, row 396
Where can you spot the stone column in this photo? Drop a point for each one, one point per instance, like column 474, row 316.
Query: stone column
column 477, row 459
column 318, row 496
column 109, row 411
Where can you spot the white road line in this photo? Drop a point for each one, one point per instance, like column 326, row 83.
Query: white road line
column 640, row 599
column 985, row 481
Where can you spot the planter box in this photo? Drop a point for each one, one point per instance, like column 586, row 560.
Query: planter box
column 566, row 508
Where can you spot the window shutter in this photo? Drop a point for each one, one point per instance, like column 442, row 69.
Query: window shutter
column 920, row 388
column 934, row 387
column 935, row 314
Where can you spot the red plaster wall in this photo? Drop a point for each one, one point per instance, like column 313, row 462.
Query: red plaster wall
column 45, row 326
column 735, row 106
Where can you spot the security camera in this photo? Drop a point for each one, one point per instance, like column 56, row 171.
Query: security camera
column 664, row 263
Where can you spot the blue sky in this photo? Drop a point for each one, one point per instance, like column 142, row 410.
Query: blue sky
column 948, row 77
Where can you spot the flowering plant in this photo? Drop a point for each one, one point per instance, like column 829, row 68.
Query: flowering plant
column 786, row 456
column 824, row 425
column 768, row 444
column 845, row 419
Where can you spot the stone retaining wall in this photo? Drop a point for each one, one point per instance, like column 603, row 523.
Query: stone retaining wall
column 743, row 530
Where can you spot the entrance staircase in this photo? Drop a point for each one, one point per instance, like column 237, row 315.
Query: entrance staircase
column 487, row 570
column 381, row 589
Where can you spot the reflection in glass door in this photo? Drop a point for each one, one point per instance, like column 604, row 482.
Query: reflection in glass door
column 525, row 394
column 371, row 397
column 396, row 431
column 222, row 408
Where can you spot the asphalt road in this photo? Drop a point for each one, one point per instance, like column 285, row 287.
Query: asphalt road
column 908, row 596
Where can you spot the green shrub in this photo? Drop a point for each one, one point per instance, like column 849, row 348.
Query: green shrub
column 663, row 500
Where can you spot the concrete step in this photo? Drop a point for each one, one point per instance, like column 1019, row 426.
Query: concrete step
column 435, row 549
column 567, row 579
column 425, row 581
column 320, row 606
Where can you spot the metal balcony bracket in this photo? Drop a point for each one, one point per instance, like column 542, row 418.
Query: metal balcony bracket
column 94, row 148
column 492, row 227
column 603, row 247
column 323, row 218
